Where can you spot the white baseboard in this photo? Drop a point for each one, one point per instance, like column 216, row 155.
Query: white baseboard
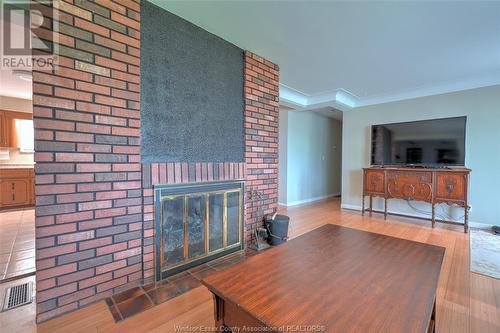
column 350, row 207
column 471, row 223
column 310, row 200
column 479, row 225
column 358, row 208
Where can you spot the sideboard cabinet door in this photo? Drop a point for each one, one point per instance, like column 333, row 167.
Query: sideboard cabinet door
column 374, row 182
column 451, row 187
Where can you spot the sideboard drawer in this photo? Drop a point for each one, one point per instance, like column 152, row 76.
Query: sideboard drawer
column 409, row 176
column 410, row 185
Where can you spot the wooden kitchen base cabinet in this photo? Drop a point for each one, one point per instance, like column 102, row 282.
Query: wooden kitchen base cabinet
column 434, row 186
column 16, row 188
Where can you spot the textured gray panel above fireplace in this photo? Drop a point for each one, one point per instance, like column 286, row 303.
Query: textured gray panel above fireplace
column 191, row 92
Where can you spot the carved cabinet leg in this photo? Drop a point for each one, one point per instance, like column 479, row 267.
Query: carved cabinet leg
column 466, row 219
column 371, row 205
column 385, row 208
column 433, row 215
column 363, row 205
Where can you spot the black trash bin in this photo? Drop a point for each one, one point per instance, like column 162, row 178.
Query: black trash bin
column 277, row 228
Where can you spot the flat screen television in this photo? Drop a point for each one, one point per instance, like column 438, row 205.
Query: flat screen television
column 428, row 143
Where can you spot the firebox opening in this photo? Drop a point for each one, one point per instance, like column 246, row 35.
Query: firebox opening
column 196, row 223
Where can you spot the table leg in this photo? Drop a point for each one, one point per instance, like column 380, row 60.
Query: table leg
column 363, row 205
column 433, row 215
column 433, row 318
column 218, row 313
column 371, row 205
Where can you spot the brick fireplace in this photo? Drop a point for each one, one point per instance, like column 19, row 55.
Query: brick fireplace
column 259, row 171
column 94, row 198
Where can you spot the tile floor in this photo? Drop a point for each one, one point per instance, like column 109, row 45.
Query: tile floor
column 17, row 243
column 138, row 299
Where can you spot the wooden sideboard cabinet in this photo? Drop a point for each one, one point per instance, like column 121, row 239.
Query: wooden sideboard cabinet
column 434, row 186
column 16, row 188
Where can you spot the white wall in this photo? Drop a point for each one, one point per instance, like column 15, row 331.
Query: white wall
column 482, row 108
column 313, row 157
column 283, row 156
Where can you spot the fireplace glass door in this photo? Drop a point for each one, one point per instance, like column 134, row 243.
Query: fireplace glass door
column 197, row 226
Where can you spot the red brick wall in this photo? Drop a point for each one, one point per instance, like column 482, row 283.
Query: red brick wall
column 94, row 211
column 88, row 172
column 261, row 92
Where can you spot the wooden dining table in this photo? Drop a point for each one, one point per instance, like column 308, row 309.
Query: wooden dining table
column 331, row 279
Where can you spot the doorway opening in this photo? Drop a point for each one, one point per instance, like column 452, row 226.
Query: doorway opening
column 310, row 155
column 17, row 193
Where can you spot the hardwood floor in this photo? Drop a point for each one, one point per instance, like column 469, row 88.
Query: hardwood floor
column 466, row 302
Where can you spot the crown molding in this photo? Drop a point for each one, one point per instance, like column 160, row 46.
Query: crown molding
column 431, row 90
column 291, row 97
column 343, row 100
column 339, row 99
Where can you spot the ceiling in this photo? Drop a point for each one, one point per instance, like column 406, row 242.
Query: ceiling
column 350, row 54
column 12, row 85
column 329, row 112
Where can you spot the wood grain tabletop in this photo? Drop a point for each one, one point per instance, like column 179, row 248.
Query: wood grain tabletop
column 342, row 279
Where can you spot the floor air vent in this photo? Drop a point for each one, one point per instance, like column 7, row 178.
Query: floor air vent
column 18, row 295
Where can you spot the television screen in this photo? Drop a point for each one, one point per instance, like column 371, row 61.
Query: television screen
column 436, row 142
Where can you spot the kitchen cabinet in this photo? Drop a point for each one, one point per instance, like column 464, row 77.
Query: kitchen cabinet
column 8, row 133
column 3, row 130
column 16, row 187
